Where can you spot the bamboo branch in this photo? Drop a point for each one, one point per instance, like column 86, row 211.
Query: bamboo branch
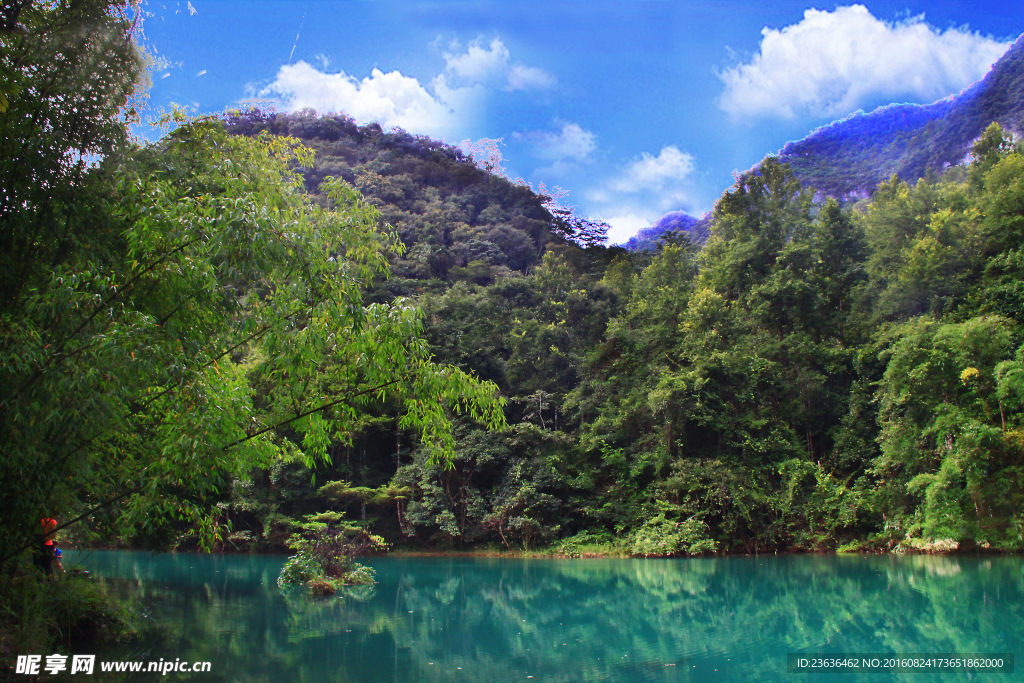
column 313, row 410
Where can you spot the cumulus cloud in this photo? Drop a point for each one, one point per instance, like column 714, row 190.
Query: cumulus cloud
column 655, row 173
column 643, row 190
column 832, row 63
column 443, row 107
column 479, row 63
column 625, row 225
column 391, row 99
column 492, row 63
column 572, row 142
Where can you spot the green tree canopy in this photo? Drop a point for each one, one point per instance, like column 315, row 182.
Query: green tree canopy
column 168, row 309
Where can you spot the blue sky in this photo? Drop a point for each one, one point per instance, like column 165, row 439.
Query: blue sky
column 636, row 108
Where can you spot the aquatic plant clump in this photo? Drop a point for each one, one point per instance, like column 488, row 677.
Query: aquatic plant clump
column 324, row 560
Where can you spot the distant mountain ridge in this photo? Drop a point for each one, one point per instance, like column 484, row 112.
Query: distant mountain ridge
column 848, row 158
column 647, row 238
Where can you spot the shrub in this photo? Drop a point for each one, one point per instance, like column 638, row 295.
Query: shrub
column 300, row 569
column 587, row 543
column 661, row 537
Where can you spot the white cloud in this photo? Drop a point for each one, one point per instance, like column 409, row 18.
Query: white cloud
column 572, row 142
column 624, row 226
column 479, row 63
column 832, row 63
column 391, row 99
column 667, row 171
column 445, row 107
column 201, row 72
column 529, row 78
column 492, row 64
column 642, row 191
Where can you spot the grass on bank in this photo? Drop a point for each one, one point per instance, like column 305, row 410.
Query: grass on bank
column 39, row 614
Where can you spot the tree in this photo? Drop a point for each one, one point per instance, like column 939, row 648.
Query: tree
column 220, row 308
column 950, row 447
column 840, row 251
column 167, row 310
column 994, row 144
column 764, row 211
column 71, row 72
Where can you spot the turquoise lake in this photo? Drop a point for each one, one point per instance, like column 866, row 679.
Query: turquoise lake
column 493, row 620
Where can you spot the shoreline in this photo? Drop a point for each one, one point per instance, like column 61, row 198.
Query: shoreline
column 490, row 553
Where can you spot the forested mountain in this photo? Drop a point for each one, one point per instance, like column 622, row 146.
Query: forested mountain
column 848, row 158
column 810, row 378
column 457, row 221
column 508, row 293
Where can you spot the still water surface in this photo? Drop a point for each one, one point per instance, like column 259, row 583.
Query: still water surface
column 493, row 620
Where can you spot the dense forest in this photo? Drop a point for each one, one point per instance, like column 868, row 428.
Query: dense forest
column 267, row 325
column 814, row 377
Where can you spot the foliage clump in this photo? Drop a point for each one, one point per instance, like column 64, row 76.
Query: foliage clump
column 39, row 613
column 662, row 536
column 589, row 544
column 324, row 559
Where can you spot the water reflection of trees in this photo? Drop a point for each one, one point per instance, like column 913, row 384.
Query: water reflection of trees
column 622, row 620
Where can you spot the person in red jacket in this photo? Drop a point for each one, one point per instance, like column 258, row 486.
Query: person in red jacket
column 45, row 552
